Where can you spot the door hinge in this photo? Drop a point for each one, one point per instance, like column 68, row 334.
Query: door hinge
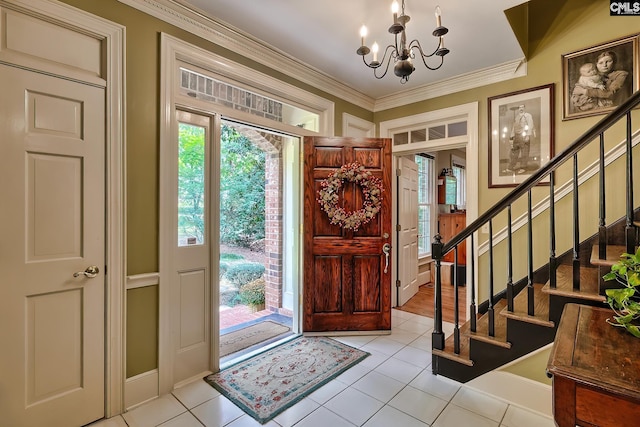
column 398, row 227
column 398, row 172
column 398, row 283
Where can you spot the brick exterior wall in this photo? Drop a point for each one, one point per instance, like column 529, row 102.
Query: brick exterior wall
column 206, row 88
column 272, row 147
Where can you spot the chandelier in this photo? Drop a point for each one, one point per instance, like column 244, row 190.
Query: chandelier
column 401, row 52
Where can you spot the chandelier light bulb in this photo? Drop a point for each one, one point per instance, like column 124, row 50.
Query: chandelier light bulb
column 363, row 34
column 375, row 49
column 438, row 14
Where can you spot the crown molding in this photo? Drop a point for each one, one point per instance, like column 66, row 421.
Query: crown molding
column 224, row 35
column 474, row 79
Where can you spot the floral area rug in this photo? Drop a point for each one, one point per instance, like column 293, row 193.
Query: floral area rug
column 272, row 381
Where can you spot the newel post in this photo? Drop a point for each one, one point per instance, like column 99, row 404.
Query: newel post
column 437, row 336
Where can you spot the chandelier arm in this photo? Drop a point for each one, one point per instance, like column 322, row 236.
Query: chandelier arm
column 390, row 50
column 424, row 57
column 415, row 44
column 392, row 53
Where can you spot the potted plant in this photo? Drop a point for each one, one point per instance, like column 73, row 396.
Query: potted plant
column 252, row 295
column 625, row 301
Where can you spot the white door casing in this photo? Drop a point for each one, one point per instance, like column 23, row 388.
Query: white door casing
column 407, row 266
column 465, row 112
column 53, row 224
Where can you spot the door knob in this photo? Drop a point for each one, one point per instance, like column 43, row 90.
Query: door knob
column 91, row 272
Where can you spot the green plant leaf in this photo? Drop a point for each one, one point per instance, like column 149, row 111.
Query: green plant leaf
column 633, row 329
column 620, row 295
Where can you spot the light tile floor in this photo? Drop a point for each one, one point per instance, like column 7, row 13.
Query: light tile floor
column 392, row 387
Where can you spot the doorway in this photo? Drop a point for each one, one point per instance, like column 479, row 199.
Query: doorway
column 423, row 212
column 446, row 129
column 258, row 263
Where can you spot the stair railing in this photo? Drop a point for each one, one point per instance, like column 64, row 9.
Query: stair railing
column 440, row 249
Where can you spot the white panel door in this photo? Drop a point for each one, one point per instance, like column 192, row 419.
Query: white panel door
column 408, row 234
column 52, row 223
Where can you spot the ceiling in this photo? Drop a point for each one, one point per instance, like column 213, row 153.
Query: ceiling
column 325, row 35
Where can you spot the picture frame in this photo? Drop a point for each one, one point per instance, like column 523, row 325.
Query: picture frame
column 521, row 135
column 593, row 84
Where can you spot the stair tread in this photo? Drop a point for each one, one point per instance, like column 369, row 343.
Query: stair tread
column 541, row 307
column 500, row 327
column 613, row 254
column 448, row 351
column 589, row 284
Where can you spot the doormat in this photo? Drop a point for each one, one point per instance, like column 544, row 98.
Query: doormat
column 246, row 337
column 270, row 382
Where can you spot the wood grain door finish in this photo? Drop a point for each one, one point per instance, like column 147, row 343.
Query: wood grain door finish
column 347, row 277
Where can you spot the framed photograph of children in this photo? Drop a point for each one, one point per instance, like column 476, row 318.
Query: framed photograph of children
column 521, row 135
column 598, row 79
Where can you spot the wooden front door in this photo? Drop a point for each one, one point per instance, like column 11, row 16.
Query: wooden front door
column 347, row 276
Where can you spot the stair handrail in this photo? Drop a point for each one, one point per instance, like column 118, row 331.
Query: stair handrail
column 600, row 127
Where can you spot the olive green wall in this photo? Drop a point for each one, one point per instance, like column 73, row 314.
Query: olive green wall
column 142, row 330
column 578, row 24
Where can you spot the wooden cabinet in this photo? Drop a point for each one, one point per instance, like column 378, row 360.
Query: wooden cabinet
column 596, row 371
column 450, row 224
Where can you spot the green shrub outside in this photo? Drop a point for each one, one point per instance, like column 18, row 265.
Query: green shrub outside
column 240, row 273
column 252, row 293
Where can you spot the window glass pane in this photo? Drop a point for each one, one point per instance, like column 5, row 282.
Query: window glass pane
column 437, row 132
column 461, row 195
column 191, row 196
column 425, row 203
column 457, row 129
column 401, row 138
column 418, row 135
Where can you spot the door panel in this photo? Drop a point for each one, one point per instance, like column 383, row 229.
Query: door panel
column 346, row 286
column 190, row 279
column 52, row 225
column 408, row 235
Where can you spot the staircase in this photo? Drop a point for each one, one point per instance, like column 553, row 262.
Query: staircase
column 523, row 315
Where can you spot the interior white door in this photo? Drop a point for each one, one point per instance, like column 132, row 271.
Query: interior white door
column 52, row 224
column 407, row 271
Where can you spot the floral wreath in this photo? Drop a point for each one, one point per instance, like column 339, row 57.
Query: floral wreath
column 371, row 187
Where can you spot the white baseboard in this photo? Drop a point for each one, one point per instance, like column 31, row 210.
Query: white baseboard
column 424, row 277
column 520, row 391
column 140, row 389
